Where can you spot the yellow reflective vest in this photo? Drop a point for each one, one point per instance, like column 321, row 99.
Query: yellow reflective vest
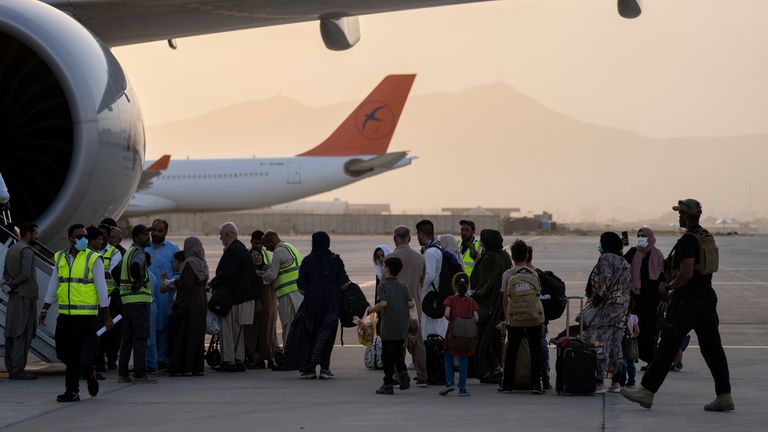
column 288, row 276
column 76, row 293
column 108, row 255
column 144, row 294
column 469, row 263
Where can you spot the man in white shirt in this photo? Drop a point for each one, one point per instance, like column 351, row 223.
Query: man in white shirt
column 433, row 260
column 76, row 339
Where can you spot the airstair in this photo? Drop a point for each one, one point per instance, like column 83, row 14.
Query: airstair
column 43, row 345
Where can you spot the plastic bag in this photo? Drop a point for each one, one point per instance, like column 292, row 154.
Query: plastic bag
column 212, row 322
column 372, row 357
column 366, row 329
column 413, row 325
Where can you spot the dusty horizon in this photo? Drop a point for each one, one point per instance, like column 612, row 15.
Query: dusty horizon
column 682, row 85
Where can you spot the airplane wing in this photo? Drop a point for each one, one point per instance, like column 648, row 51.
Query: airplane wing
column 153, row 171
column 124, row 22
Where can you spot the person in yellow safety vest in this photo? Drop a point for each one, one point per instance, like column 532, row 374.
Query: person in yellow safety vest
column 261, row 338
column 78, row 285
column 283, row 274
column 470, row 248
column 136, row 296
column 109, row 344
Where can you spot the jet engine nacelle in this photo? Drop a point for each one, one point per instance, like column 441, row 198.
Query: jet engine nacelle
column 71, row 134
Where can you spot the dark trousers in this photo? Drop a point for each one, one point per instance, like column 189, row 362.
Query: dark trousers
column 109, row 344
column 76, row 344
column 135, row 335
column 683, row 316
column 514, row 337
column 393, row 356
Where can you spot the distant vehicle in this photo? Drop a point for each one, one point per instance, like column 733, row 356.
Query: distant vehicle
column 356, row 150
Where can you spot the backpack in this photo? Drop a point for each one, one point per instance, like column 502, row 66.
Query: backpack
column 353, row 304
column 524, row 306
column 463, row 335
column 553, row 297
column 709, row 254
column 448, row 270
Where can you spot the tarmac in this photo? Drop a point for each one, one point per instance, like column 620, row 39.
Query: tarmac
column 280, row 401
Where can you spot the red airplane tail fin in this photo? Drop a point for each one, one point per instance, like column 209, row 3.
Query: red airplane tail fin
column 369, row 128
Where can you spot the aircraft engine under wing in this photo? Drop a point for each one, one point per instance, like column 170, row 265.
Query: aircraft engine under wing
column 361, row 167
column 124, row 22
column 70, row 128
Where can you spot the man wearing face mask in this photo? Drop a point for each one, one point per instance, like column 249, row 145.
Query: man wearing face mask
column 136, row 296
column 78, row 284
column 693, row 306
column 22, row 302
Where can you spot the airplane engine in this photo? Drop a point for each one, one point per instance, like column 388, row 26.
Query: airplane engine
column 71, row 133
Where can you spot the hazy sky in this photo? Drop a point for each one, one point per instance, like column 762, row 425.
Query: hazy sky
column 684, row 68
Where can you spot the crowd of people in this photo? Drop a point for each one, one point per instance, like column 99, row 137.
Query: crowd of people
column 484, row 304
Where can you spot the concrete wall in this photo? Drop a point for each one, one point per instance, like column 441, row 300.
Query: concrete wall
column 208, row 223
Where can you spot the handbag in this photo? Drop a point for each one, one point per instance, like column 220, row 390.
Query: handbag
column 463, row 335
column 213, row 354
column 629, row 347
column 220, row 302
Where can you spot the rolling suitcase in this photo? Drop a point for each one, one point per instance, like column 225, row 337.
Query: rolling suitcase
column 576, row 362
column 435, row 366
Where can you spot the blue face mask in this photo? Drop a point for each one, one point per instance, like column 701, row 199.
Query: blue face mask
column 81, row 244
column 599, row 248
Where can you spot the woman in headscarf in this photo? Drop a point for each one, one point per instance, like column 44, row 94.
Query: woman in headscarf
column 484, row 283
column 608, row 290
column 189, row 311
column 379, row 254
column 450, row 244
column 313, row 331
column 646, row 264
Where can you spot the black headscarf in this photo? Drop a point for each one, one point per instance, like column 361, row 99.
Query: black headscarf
column 611, row 243
column 486, row 282
column 492, row 240
column 321, row 242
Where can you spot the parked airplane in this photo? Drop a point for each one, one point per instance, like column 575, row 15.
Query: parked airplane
column 356, row 150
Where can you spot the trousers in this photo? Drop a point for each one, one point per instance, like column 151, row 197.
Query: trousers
column 20, row 327
column 684, row 315
column 463, row 366
column 287, row 306
column 135, row 337
column 514, row 337
column 392, row 357
column 76, row 344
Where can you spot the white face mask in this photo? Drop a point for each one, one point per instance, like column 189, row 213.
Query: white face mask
column 642, row 242
column 599, row 248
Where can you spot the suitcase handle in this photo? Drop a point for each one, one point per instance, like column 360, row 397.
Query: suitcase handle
column 568, row 314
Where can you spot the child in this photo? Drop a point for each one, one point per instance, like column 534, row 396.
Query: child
column 458, row 305
column 633, row 324
column 170, row 284
column 626, row 376
column 394, row 302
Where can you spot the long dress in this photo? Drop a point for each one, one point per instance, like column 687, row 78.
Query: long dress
column 486, row 286
column 609, row 287
column 646, row 307
column 313, row 331
column 188, row 325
